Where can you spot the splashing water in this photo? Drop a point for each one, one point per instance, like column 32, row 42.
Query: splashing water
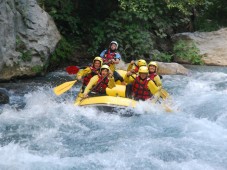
column 39, row 130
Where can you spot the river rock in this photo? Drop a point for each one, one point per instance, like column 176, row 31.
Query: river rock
column 172, row 69
column 4, row 96
column 28, row 37
column 212, row 46
column 163, row 68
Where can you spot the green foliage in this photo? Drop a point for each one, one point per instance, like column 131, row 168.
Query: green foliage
column 163, row 57
column 213, row 17
column 150, row 15
column 63, row 12
column 188, row 51
column 133, row 39
column 186, row 7
column 63, row 50
column 26, row 55
column 136, row 25
column 206, row 25
column 37, row 69
column 20, row 45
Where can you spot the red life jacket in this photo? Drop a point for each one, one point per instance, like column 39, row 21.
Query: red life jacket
column 102, row 85
column 87, row 78
column 108, row 56
column 152, row 76
column 140, row 89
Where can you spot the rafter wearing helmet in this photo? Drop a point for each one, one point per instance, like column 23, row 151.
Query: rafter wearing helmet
column 143, row 88
column 153, row 73
column 100, row 82
column 90, row 71
column 133, row 67
column 111, row 57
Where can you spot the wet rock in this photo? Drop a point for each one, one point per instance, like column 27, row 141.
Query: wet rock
column 163, row 68
column 28, row 37
column 4, row 96
column 212, row 46
column 172, row 68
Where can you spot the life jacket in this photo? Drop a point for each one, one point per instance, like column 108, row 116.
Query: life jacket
column 108, row 56
column 152, row 76
column 140, row 89
column 102, row 84
column 87, row 78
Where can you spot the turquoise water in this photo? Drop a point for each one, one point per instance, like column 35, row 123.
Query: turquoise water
column 39, row 130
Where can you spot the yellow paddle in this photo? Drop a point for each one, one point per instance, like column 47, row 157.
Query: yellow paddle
column 64, row 87
column 67, row 85
column 164, row 94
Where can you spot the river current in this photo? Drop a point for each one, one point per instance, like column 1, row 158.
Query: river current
column 39, row 130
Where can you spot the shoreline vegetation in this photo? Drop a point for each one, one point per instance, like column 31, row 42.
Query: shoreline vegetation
column 143, row 29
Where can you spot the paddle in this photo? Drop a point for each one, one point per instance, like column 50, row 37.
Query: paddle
column 72, row 69
column 164, row 94
column 67, row 85
column 64, row 87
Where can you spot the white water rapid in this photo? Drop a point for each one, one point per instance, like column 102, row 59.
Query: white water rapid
column 39, row 130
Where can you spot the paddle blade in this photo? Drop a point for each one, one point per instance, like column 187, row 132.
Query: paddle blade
column 164, row 94
column 64, row 87
column 72, row 69
column 167, row 108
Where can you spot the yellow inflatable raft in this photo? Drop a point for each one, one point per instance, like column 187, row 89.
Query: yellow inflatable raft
column 115, row 97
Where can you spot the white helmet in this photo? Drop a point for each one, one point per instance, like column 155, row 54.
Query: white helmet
column 114, row 42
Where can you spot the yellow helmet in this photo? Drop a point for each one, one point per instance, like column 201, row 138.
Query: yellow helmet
column 152, row 63
column 105, row 67
column 141, row 62
column 143, row 69
column 98, row 59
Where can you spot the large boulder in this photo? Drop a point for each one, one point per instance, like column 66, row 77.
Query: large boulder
column 163, row 68
column 28, row 37
column 172, row 68
column 212, row 46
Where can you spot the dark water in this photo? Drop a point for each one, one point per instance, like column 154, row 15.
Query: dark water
column 39, row 130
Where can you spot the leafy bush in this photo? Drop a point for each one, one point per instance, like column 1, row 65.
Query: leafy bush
column 132, row 37
column 163, row 57
column 188, row 51
column 63, row 50
column 63, row 13
column 206, row 25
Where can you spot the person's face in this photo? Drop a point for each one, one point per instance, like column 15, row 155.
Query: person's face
column 143, row 75
column 97, row 64
column 113, row 46
column 104, row 72
column 152, row 68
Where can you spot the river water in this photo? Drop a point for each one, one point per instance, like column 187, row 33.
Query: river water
column 39, row 130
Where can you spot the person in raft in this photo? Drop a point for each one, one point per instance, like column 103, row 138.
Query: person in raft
column 89, row 72
column 143, row 88
column 111, row 57
column 100, row 82
column 133, row 68
column 153, row 73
